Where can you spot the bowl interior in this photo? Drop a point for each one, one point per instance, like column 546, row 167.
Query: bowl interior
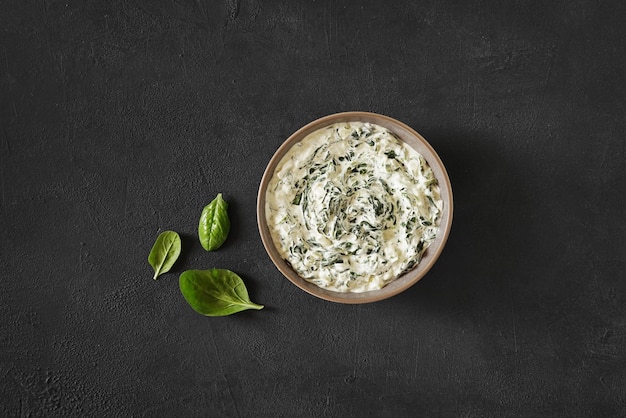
column 431, row 254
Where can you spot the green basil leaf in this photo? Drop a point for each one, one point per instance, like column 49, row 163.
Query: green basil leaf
column 215, row 292
column 214, row 224
column 164, row 253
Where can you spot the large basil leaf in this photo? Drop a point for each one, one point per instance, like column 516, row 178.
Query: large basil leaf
column 164, row 253
column 215, row 292
column 214, row 224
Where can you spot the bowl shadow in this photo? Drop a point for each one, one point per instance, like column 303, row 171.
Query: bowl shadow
column 489, row 200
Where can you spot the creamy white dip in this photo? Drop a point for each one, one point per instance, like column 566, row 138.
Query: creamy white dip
column 351, row 207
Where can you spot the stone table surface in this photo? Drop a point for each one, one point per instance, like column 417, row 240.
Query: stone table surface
column 122, row 119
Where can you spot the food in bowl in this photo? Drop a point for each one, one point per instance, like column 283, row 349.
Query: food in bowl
column 351, row 207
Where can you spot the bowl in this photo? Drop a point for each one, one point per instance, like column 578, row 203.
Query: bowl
column 430, row 256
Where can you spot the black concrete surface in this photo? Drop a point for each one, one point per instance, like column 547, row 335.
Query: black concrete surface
column 121, row 119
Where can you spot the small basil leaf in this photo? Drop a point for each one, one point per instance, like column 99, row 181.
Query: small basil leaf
column 214, row 224
column 164, row 253
column 215, row 292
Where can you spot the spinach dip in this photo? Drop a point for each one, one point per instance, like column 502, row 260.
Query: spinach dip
column 351, row 207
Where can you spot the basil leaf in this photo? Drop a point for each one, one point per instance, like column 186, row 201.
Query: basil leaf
column 164, row 253
column 215, row 292
column 214, row 224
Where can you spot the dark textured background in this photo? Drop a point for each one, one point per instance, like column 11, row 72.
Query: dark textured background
column 120, row 119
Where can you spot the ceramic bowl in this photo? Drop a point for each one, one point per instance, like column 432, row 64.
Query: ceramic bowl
column 413, row 139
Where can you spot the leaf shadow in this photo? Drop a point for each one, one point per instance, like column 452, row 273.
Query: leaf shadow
column 236, row 234
column 188, row 244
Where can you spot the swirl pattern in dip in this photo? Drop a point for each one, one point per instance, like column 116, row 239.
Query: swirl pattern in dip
column 351, row 207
